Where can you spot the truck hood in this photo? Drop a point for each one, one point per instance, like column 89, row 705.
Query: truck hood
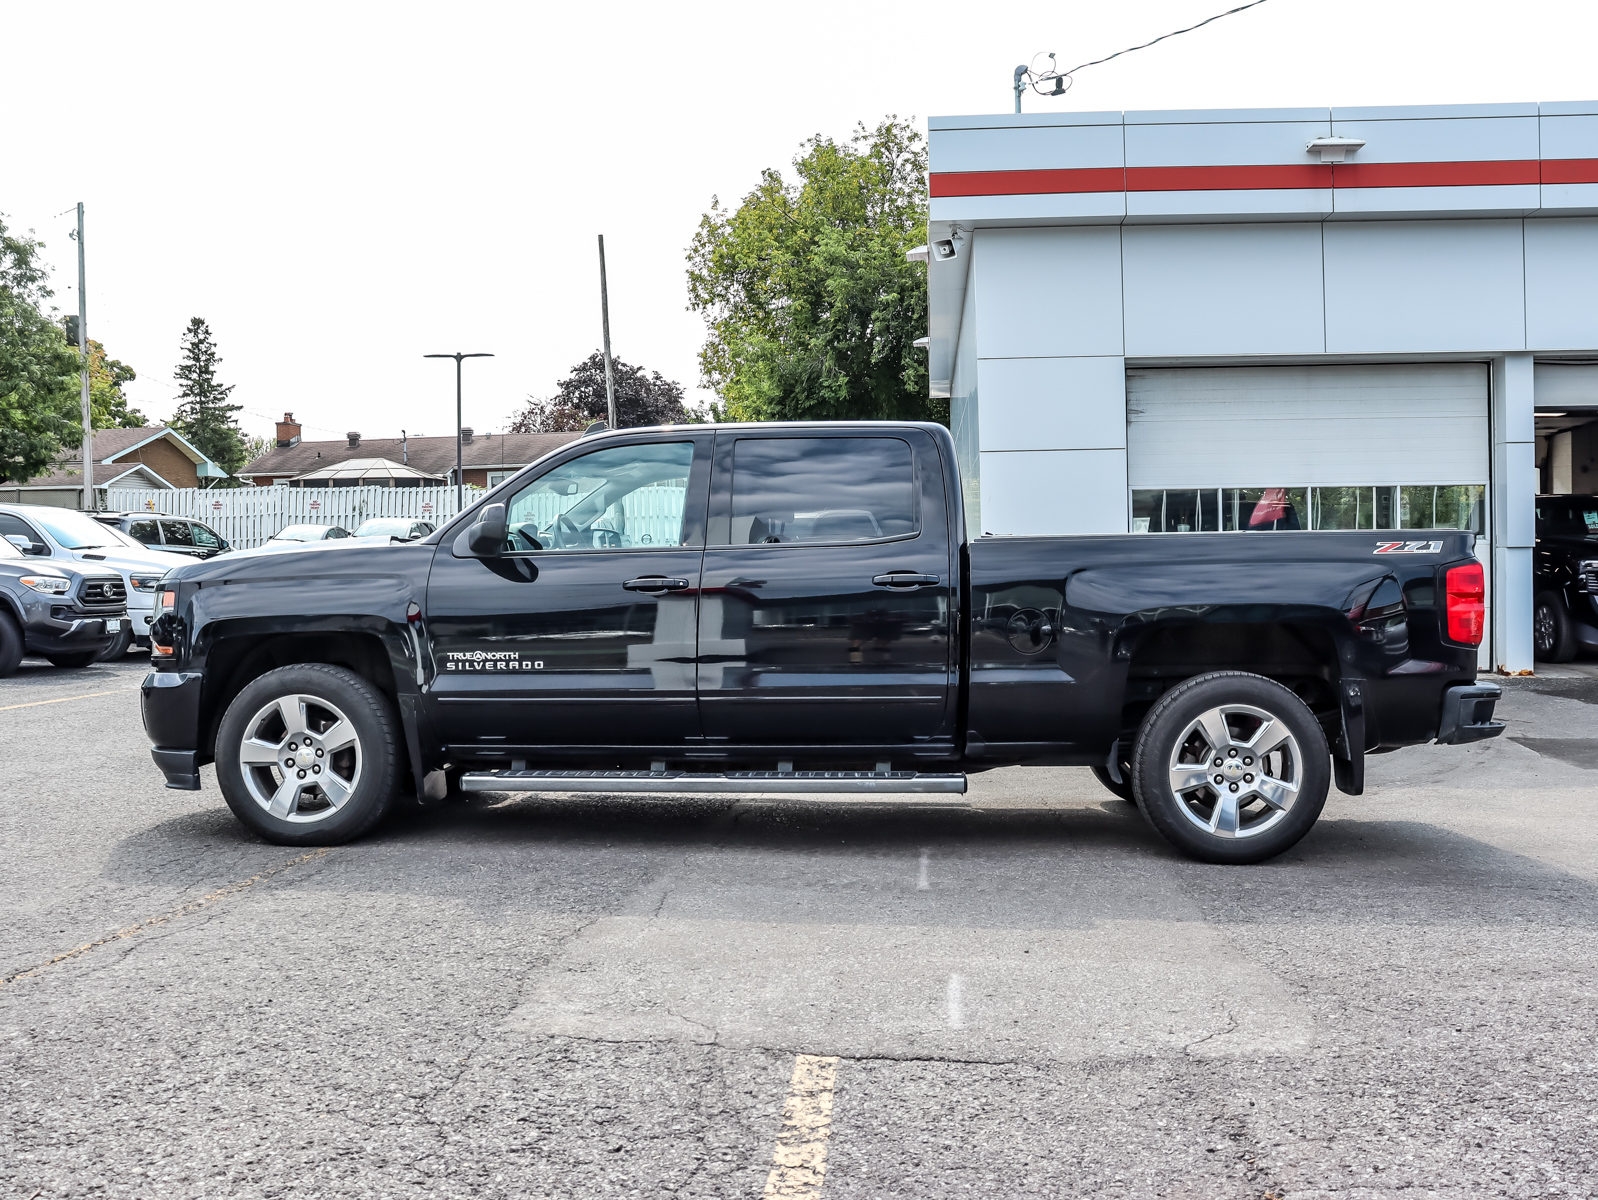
column 126, row 560
column 286, row 559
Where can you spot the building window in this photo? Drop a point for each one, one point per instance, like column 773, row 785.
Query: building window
column 1402, row 506
column 495, row 478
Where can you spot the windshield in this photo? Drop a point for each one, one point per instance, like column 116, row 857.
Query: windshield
column 379, row 528
column 307, row 533
column 74, row 531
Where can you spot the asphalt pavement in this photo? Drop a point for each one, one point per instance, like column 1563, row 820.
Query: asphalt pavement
column 608, row 997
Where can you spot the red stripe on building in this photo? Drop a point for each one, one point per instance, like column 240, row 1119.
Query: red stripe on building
column 1284, row 177
column 1570, row 170
column 1028, row 183
column 1437, row 174
column 1215, row 179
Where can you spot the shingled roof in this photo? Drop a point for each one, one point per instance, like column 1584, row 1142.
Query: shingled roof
column 434, row 455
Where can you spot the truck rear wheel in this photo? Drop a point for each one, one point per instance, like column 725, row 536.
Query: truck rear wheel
column 1231, row 767
column 309, row 755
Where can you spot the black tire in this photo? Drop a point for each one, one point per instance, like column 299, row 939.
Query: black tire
column 1295, row 770
column 11, row 645
column 1553, row 639
column 73, row 661
column 1122, row 789
column 118, row 649
column 366, row 770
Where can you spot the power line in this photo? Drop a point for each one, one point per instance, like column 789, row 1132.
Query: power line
column 1064, row 79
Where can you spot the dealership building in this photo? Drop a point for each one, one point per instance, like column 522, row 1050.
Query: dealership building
column 1363, row 318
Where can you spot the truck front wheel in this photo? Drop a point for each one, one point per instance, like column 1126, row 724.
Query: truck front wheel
column 1231, row 767
column 308, row 755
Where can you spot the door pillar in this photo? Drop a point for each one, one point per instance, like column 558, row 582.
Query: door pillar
column 1514, row 502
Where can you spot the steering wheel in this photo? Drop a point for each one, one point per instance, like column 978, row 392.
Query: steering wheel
column 564, row 532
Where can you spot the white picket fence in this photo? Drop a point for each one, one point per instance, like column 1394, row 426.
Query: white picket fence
column 247, row 516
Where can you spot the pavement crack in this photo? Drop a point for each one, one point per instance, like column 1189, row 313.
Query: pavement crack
column 1231, row 1027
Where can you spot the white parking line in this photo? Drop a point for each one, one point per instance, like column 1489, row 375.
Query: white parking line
column 799, row 1162
column 922, row 882
column 955, row 999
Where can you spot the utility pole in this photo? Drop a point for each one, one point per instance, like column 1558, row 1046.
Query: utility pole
column 89, row 502
column 460, row 480
column 604, row 310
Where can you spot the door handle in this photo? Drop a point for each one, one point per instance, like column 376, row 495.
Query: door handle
column 904, row 579
column 655, row 583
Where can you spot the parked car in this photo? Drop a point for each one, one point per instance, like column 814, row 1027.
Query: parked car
column 62, row 535
column 1565, row 612
column 65, row 612
column 739, row 627
column 402, row 528
column 176, row 535
column 294, row 537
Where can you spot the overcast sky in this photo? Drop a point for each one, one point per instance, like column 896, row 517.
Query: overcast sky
column 340, row 188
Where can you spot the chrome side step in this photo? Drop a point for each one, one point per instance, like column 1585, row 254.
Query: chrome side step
column 763, row 782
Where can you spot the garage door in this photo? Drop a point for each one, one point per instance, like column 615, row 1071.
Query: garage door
column 1336, row 447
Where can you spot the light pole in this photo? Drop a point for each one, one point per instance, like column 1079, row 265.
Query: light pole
column 604, row 309
column 460, row 482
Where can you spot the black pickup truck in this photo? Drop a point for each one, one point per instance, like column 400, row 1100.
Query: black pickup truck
column 796, row 609
column 1565, row 577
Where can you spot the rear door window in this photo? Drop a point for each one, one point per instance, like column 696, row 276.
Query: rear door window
column 146, row 532
column 846, row 489
column 177, row 533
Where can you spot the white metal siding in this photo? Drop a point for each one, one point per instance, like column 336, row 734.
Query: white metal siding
column 1308, row 425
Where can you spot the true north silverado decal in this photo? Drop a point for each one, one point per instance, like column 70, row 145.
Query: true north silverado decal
column 489, row 660
column 1408, row 548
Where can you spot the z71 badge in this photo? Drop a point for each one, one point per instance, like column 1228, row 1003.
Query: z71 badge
column 1408, row 548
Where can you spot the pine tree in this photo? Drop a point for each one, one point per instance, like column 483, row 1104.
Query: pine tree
column 204, row 415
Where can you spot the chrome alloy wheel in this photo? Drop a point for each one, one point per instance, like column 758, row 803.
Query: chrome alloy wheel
column 300, row 758
column 1236, row 771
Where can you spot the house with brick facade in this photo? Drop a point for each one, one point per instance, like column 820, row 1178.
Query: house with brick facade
column 486, row 459
column 149, row 456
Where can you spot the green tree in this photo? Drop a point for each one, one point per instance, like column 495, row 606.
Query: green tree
column 108, row 405
column 642, row 398
column 812, row 309
column 204, row 415
column 38, row 370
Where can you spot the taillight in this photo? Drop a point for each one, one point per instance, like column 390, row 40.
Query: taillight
column 1466, row 592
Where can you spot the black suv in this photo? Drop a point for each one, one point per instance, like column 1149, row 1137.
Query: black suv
column 67, row 613
column 1565, row 618
column 176, row 535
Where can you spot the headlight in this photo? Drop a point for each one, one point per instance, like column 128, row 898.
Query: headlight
column 56, row 585
column 144, row 583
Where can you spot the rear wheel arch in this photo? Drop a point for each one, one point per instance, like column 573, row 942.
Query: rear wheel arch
column 1302, row 656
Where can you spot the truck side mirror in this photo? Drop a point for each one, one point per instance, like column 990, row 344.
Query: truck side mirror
column 28, row 545
column 486, row 537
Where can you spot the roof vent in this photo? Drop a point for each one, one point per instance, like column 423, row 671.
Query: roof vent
column 355, row 438
column 1332, row 149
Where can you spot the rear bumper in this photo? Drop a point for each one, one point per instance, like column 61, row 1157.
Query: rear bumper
column 1467, row 714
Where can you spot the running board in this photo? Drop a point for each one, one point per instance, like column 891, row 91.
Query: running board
column 692, row 782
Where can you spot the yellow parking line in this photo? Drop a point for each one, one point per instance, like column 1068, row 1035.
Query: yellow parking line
column 800, row 1160
column 61, row 699
column 193, row 906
